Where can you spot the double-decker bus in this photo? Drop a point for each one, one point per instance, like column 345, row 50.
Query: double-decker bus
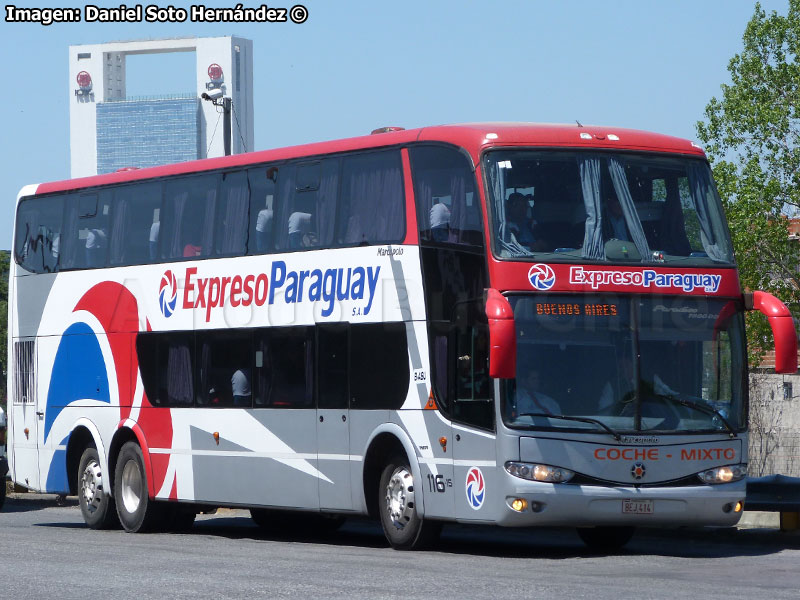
column 511, row 324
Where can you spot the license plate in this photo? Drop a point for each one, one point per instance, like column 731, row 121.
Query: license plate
column 637, row 507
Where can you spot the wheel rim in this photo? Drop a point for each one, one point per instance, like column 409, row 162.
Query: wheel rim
column 400, row 497
column 131, row 486
column 92, row 486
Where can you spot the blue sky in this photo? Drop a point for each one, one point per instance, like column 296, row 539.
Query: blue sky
column 357, row 65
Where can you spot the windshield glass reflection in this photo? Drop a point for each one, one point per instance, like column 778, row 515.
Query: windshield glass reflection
column 634, row 363
column 612, row 206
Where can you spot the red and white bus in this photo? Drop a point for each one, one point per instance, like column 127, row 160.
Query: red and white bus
column 513, row 324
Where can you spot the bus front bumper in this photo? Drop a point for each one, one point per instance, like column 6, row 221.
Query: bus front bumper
column 583, row 506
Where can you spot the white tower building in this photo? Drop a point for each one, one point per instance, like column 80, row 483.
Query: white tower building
column 109, row 131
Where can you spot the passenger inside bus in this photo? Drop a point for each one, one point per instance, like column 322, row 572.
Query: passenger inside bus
column 615, row 227
column 300, row 235
column 240, row 387
column 192, row 234
column 440, row 222
column 264, row 225
column 529, row 396
column 153, row 240
column 517, row 221
column 95, row 247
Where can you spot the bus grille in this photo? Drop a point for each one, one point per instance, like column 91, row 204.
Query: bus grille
column 586, row 480
column 25, row 372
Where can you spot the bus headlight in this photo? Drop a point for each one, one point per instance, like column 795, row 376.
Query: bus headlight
column 536, row 472
column 727, row 474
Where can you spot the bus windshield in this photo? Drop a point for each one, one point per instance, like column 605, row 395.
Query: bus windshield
column 618, row 207
column 655, row 364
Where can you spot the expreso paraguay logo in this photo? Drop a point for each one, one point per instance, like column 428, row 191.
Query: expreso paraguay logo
column 168, row 293
column 475, row 488
column 542, row 277
column 326, row 287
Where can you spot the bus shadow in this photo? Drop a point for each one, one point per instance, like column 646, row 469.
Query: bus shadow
column 23, row 502
column 490, row 541
column 484, row 541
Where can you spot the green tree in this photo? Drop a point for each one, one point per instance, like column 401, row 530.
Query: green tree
column 752, row 137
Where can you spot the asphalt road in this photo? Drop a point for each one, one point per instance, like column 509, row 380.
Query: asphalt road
column 49, row 553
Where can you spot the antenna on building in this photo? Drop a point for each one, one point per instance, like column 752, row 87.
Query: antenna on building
column 217, row 99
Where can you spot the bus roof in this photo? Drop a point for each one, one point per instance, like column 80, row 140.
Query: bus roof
column 474, row 137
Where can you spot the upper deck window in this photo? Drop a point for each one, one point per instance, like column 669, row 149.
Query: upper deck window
column 38, row 234
column 188, row 221
column 605, row 207
column 355, row 199
column 448, row 209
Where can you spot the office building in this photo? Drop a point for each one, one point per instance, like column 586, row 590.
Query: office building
column 110, row 130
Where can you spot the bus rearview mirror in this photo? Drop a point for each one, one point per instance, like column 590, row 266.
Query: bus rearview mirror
column 502, row 336
column 783, row 331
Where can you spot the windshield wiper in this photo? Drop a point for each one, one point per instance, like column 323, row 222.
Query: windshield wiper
column 700, row 408
column 579, row 419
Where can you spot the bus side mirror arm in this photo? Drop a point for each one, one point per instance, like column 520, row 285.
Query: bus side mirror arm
column 502, row 336
column 782, row 324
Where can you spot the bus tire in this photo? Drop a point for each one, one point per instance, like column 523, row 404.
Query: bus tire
column 402, row 525
column 3, row 486
column 606, row 539
column 137, row 512
column 94, row 495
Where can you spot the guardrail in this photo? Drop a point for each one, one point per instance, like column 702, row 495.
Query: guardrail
column 776, row 493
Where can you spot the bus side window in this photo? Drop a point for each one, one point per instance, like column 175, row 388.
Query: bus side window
column 448, row 209
column 473, row 401
column 263, row 191
column 285, row 377
column 332, row 365
column 38, row 234
column 87, row 230
column 188, row 221
column 166, row 363
column 379, row 371
column 308, row 210
column 372, row 205
column 232, row 215
column 224, row 374
column 441, row 374
column 135, row 224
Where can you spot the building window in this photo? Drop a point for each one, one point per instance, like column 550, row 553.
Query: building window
column 787, row 390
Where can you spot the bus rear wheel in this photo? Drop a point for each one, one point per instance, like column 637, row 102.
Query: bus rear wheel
column 94, row 497
column 137, row 512
column 402, row 524
column 606, row 539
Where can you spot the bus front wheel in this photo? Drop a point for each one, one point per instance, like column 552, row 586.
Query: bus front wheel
column 94, row 497
column 606, row 539
column 397, row 503
column 137, row 512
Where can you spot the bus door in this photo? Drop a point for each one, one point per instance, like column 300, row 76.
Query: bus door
column 25, row 415
column 474, row 438
column 333, row 418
